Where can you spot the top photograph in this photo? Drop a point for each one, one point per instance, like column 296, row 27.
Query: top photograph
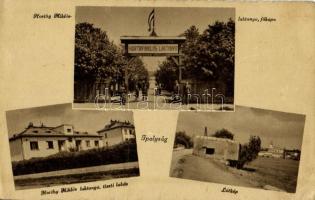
column 154, row 58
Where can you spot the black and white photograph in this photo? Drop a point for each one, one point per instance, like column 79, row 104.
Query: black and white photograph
column 156, row 58
column 250, row 148
column 56, row 145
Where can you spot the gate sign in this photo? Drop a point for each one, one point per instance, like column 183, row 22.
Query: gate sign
column 152, row 45
column 152, row 48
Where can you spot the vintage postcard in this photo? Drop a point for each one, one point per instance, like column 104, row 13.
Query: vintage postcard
column 55, row 145
column 154, row 58
column 250, row 148
column 92, row 94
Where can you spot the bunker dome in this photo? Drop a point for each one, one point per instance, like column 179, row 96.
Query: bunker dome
column 216, row 148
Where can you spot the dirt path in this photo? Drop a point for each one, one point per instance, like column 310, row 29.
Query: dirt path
column 178, row 155
column 188, row 166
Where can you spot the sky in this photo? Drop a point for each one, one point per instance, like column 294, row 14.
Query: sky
column 284, row 130
column 132, row 21
column 83, row 120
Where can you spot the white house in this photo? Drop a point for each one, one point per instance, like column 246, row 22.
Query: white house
column 117, row 132
column 41, row 141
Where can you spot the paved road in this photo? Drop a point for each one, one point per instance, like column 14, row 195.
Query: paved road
column 84, row 170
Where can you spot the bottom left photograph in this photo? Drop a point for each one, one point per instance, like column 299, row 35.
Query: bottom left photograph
column 56, row 145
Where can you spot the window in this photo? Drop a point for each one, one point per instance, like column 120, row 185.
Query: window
column 48, row 131
column 61, row 145
column 50, row 144
column 210, row 151
column 96, row 143
column 34, row 145
column 87, row 143
column 69, row 130
column 107, row 144
column 105, row 135
column 35, row 131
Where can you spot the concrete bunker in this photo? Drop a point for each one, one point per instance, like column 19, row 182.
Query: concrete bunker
column 216, row 148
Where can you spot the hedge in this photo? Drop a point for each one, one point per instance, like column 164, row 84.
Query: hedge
column 120, row 153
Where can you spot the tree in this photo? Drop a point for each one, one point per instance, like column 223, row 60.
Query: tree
column 206, row 57
column 167, row 74
column 217, row 51
column 95, row 56
column 137, row 74
column 99, row 59
column 182, row 138
column 249, row 151
column 223, row 133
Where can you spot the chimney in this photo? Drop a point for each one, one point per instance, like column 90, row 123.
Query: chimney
column 206, row 131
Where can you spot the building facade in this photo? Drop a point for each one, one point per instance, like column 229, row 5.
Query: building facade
column 116, row 132
column 42, row 141
column 216, row 148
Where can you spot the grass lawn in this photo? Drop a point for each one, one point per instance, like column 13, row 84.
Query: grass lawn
column 276, row 172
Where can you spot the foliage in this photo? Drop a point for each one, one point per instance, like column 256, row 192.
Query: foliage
column 120, row 153
column 182, row 138
column 95, row 55
column 138, row 75
column 208, row 56
column 223, row 133
column 97, row 58
column 249, row 151
column 167, row 74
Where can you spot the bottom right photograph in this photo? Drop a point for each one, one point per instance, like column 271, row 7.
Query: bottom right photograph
column 250, row 147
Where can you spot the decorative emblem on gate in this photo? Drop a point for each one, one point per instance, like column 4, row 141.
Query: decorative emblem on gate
column 151, row 23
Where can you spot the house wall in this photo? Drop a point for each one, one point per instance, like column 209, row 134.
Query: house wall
column 43, row 149
column 16, row 150
column 112, row 136
column 84, row 144
column 127, row 133
column 223, row 149
column 19, row 148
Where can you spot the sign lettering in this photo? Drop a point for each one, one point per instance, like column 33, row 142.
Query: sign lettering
column 153, row 48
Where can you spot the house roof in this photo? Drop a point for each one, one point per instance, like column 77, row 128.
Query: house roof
column 44, row 131
column 116, row 124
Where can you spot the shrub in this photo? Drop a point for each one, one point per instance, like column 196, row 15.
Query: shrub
column 249, row 152
column 183, row 139
column 120, row 153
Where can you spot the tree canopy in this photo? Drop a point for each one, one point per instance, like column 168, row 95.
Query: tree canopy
column 98, row 58
column 208, row 56
column 223, row 133
column 249, row 151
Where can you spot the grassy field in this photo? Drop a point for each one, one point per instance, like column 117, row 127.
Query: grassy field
column 276, row 172
column 75, row 178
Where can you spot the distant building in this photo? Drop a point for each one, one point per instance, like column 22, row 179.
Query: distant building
column 216, row 148
column 272, row 151
column 117, row 132
column 42, row 141
column 294, row 154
